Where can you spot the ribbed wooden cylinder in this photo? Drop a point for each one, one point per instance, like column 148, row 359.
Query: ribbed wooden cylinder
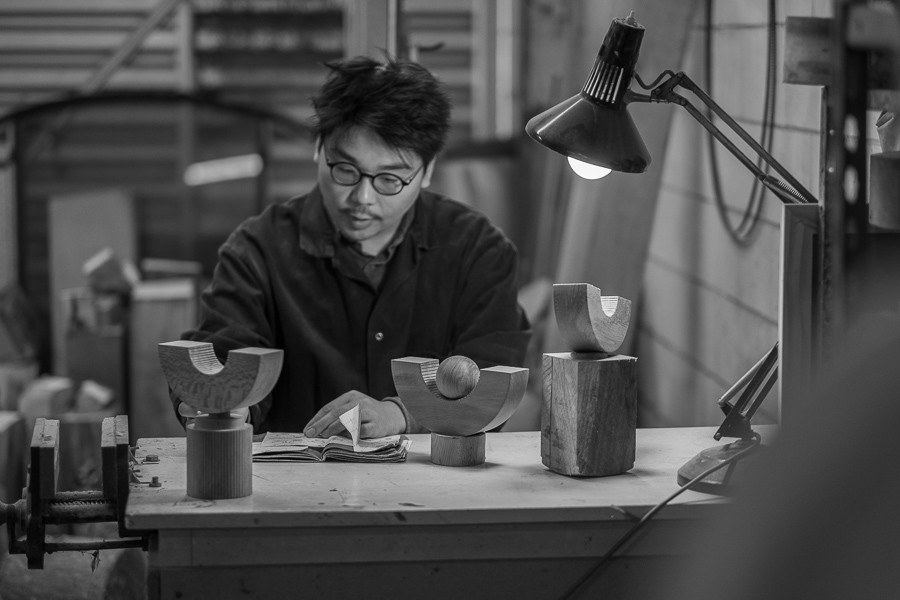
column 219, row 458
column 457, row 450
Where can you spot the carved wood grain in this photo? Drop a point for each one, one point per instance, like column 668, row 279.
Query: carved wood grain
column 588, row 321
column 590, row 418
column 198, row 378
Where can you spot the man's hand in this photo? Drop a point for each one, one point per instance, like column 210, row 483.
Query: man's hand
column 376, row 418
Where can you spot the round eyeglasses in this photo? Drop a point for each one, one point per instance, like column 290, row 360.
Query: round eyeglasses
column 386, row 184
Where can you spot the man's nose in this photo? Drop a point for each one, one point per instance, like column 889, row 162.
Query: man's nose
column 364, row 193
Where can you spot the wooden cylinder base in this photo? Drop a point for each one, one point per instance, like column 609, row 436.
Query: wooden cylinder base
column 219, row 458
column 457, row 450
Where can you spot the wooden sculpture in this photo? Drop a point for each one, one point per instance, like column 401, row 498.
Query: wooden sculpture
column 589, row 322
column 219, row 440
column 589, row 411
column 457, row 424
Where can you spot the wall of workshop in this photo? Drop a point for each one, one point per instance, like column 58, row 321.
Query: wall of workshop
column 269, row 58
column 710, row 305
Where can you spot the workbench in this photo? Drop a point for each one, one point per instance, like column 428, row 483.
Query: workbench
column 507, row 529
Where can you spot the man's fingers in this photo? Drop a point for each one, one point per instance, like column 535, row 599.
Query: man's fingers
column 319, row 422
column 326, row 422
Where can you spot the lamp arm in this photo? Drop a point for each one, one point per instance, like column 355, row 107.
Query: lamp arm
column 792, row 192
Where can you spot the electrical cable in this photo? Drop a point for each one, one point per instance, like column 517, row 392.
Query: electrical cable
column 581, row 583
column 742, row 234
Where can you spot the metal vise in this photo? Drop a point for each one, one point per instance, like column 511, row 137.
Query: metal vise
column 42, row 505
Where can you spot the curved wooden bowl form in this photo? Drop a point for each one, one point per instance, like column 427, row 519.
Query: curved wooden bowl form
column 493, row 400
column 588, row 321
column 198, row 378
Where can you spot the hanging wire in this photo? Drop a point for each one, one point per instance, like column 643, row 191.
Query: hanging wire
column 742, row 234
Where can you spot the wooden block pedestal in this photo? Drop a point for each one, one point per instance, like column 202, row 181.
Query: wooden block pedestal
column 589, row 413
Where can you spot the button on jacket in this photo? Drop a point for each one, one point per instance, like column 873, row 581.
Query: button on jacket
column 450, row 288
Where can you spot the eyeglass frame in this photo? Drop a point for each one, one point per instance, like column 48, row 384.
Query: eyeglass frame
column 404, row 183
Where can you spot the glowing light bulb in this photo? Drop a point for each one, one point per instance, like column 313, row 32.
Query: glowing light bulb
column 587, row 170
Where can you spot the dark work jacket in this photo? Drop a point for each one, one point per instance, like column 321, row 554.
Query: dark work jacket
column 449, row 288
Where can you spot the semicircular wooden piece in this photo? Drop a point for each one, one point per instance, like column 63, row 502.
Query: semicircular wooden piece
column 588, row 321
column 199, row 380
column 493, row 400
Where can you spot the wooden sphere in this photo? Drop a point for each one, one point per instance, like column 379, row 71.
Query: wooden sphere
column 457, row 376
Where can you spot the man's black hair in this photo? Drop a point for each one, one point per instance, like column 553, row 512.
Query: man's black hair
column 399, row 100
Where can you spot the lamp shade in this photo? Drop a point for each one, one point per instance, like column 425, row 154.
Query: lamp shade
column 594, row 126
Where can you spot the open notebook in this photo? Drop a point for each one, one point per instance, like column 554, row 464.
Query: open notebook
column 296, row 447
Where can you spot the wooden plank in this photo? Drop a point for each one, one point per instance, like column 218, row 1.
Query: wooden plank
column 160, row 312
column 75, row 41
column 44, row 79
column 108, row 456
column 79, row 226
column 810, row 59
column 67, row 22
column 123, row 471
column 884, row 183
column 623, row 579
column 82, row 6
column 808, row 50
column 798, row 330
column 44, row 461
column 12, row 448
column 402, row 544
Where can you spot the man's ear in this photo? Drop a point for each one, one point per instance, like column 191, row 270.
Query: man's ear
column 426, row 176
column 317, row 148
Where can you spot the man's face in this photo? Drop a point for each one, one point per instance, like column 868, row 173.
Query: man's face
column 360, row 211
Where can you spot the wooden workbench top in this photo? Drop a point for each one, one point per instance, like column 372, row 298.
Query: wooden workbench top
column 512, row 486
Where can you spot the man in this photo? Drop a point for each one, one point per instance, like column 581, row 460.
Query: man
column 366, row 267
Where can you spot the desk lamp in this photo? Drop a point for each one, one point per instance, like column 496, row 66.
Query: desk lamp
column 597, row 134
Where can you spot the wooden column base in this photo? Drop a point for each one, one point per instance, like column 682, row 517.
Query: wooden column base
column 219, row 457
column 589, row 413
column 457, row 450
